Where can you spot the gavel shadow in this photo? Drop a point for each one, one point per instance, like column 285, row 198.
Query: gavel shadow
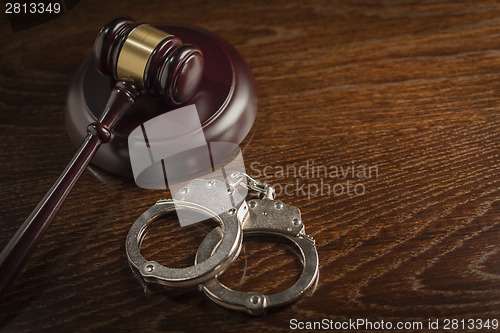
column 30, row 291
column 56, row 268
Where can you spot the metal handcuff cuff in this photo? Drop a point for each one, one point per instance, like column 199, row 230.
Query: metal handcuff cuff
column 223, row 244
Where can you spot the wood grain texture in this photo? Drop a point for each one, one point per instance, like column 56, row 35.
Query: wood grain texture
column 409, row 87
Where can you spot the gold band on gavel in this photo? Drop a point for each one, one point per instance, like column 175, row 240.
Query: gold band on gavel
column 136, row 51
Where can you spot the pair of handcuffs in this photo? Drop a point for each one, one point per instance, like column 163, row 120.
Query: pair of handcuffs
column 223, row 244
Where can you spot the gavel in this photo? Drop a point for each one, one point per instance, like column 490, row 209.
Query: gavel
column 142, row 59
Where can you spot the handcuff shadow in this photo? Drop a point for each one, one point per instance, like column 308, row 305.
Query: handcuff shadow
column 174, row 296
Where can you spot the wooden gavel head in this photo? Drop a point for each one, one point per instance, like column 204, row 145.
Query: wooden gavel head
column 150, row 58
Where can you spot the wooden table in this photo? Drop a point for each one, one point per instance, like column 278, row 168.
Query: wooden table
column 409, row 92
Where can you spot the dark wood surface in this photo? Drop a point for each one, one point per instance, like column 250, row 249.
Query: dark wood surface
column 411, row 89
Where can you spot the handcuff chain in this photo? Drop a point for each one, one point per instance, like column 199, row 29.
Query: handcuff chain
column 264, row 189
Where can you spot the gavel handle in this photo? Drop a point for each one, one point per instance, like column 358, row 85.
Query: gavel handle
column 25, row 240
